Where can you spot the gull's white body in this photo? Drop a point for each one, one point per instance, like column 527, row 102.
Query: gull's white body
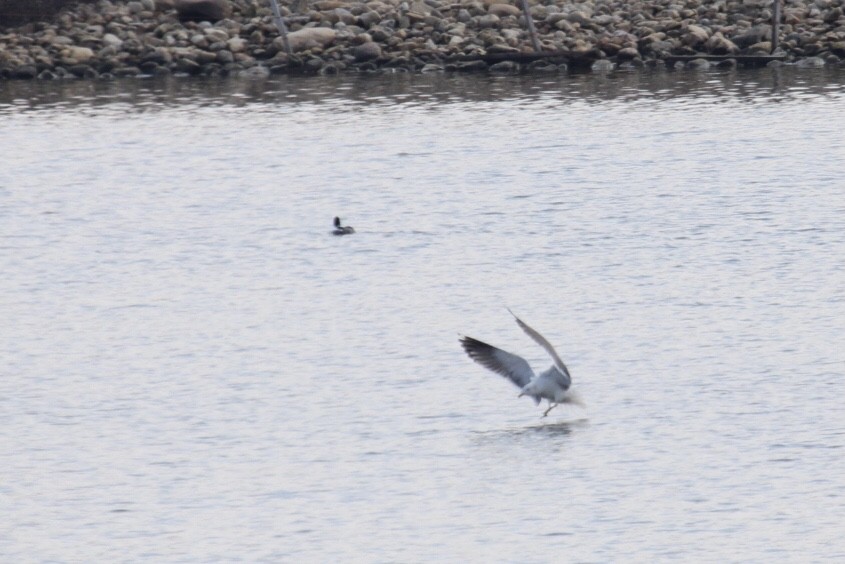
column 552, row 385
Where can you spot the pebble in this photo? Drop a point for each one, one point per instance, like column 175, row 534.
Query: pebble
column 112, row 39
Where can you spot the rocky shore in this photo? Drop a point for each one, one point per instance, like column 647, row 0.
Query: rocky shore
column 111, row 38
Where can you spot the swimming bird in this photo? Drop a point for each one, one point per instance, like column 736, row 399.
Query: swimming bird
column 339, row 230
column 552, row 385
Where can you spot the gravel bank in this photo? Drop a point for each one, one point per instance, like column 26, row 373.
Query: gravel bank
column 106, row 39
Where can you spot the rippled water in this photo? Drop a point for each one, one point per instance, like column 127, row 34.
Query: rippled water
column 194, row 369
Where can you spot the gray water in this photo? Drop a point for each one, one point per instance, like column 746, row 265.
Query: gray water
column 195, row 370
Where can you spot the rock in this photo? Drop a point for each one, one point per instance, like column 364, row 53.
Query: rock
column 695, row 36
column 488, row 21
column 110, row 39
column 545, row 66
column 214, row 34
column 501, row 48
column 505, row 67
column 188, row 66
column 602, row 65
column 126, row 71
column 202, row 10
column 698, row 64
column 380, row 34
column 751, row 36
column 503, row 11
column 309, row 38
column 256, row 72
column 75, row 54
column 719, row 45
column 810, row 63
column 25, row 72
column 627, row 54
column 236, row 45
column 471, row 66
column 369, row 19
column 762, row 48
column 366, row 52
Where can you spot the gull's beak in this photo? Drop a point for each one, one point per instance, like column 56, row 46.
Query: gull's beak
column 521, row 394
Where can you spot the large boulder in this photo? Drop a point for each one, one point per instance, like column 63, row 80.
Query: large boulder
column 203, row 10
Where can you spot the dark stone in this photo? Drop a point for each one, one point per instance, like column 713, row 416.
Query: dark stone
column 471, row 66
column 126, row 71
column 25, row 72
column 188, row 66
column 148, row 67
column 202, row 10
column 505, row 67
column 754, row 35
column 16, row 12
column 367, row 51
column 82, row 71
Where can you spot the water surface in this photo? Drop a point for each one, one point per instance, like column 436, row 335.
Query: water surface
column 194, row 369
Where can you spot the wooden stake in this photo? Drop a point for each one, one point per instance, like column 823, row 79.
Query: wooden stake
column 532, row 31
column 283, row 29
column 775, row 24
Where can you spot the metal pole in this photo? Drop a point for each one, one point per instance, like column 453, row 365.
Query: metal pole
column 775, row 24
column 280, row 23
column 532, row 31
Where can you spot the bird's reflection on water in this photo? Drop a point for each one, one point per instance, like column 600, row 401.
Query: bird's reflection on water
column 550, row 429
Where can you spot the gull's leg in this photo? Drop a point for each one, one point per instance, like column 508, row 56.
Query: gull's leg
column 551, row 407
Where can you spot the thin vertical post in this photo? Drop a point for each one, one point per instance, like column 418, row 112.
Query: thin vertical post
column 283, row 29
column 775, row 24
column 532, row 31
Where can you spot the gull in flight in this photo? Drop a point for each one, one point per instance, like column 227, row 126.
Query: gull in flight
column 552, row 385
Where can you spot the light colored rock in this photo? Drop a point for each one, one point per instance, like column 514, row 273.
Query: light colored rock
column 810, row 63
column 78, row 54
column 695, row 35
column 113, row 40
column 603, row 65
column 236, row 45
column 216, row 34
column 504, row 10
column 719, row 45
column 309, row 38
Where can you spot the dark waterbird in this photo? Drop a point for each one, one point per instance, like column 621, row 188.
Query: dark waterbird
column 341, row 230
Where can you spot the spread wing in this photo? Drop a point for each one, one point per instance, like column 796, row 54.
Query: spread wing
column 511, row 366
column 540, row 340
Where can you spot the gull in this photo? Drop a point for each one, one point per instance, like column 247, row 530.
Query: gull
column 552, row 385
column 338, row 230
